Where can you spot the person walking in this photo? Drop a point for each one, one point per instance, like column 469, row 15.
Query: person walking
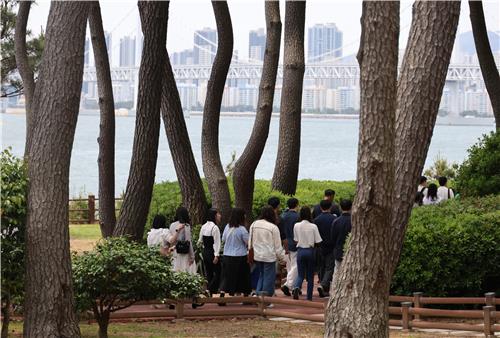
column 209, row 239
column 443, row 192
column 288, row 220
column 330, row 196
column 341, row 229
column 307, row 236
column 432, row 195
column 236, row 270
column 183, row 255
column 324, row 222
column 265, row 250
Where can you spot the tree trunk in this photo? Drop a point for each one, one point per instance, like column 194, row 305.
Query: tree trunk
column 103, row 323
column 193, row 193
column 5, row 316
column 244, row 169
column 24, row 68
column 140, row 183
column 106, row 159
column 212, row 166
column 49, row 304
column 421, row 83
column 359, row 304
column 286, row 169
column 485, row 56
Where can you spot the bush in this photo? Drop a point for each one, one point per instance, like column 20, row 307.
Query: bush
column 451, row 249
column 185, row 285
column 13, row 223
column 479, row 175
column 115, row 275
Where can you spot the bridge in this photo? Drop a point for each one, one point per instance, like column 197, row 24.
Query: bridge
column 254, row 71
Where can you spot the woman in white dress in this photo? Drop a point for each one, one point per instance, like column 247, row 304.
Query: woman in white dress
column 183, row 253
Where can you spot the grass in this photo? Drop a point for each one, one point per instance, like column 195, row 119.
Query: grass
column 254, row 328
column 83, row 236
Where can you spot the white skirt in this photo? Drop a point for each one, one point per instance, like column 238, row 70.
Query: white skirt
column 181, row 263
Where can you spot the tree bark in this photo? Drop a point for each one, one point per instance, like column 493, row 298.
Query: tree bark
column 212, row 166
column 193, row 193
column 359, row 304
column 24, row 68
column 49, row 304
column 286, row 169
column 5, row 316
column 106, row 140
column 103, row 323
column 420, row 86
column 244, row 169
column 485, row 56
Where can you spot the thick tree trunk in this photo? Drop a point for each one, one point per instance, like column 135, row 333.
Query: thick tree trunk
column 244, row 169
column 193, row 193
column 106, row 159
column 49, row 304
column 103, row 323
column 5, row 316
column 140, row 183
column 420, row 86
column 485, row 56
column 24, row 68
column 286, row 169
column 212, row 166
column 359, row 304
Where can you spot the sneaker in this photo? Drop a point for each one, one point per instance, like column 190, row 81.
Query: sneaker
column 286, row 290
column 296, row 293
column 270, row 306
column 321, row 292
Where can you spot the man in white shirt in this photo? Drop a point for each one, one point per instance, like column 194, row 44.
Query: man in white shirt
column 444, row 193
column 422, row 187
column 307, row 236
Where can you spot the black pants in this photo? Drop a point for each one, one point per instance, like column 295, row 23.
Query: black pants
column 212, row 271
column 327, row 268
column 236, row 275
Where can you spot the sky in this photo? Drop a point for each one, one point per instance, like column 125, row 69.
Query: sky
column 185, row 16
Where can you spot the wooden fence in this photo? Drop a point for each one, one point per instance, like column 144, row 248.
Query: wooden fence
column 411, row 311
column 86, row 210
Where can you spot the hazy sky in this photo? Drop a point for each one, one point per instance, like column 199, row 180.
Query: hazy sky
column 185, row 16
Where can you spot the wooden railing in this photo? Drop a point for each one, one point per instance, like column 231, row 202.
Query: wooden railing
column 411, row 311
column 86, row 210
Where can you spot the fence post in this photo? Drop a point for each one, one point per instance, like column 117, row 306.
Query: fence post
column 489, row 298
column 262, row 305
column 405, row 307
column 179, row 310
column 91, row 203
column 417, row 302
column 488, row 332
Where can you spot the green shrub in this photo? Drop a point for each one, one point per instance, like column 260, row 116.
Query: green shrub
column 479, row 175
column 13, row 224
column 116, row 274
column 451, row 249
column 185, row 285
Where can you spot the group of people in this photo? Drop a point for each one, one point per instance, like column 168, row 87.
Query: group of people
column 239, row 261
column 428, row 194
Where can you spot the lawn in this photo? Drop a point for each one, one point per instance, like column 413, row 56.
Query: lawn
column 212, row 328
column 83, row 236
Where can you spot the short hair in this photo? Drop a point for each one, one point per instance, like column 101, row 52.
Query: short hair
column 442, row 181
column 268, row 214
column 329, row 192
column 182, row 215
column 274, row 202
column 292, row 203
column 159, row 222
column 423, row 179
column 325, row 204
column 346, row 204
column 237, row 217
column 305, row 214
column 211, row 215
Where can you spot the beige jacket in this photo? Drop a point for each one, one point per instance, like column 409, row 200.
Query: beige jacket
column 265, row 240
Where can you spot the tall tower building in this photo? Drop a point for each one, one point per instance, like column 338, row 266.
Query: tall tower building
column 257, row 44
column 109, row 43
column 127, row 51
column 325, row 42
column 86, row 58
column 205, row 42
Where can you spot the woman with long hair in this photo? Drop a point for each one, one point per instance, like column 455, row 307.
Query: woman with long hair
column 210, row 240
column 432, row 196
column 183, row 255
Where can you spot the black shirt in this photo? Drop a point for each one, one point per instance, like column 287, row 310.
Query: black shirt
column 288, row 220
column 341, row 229
column 335, row 210
column 324, row 222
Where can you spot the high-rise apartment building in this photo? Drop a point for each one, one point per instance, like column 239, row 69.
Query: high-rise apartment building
column 109, row 43
column 205, row 46
column 256, row 44
column 86, row 58
column 325, row 42
column 127, row 51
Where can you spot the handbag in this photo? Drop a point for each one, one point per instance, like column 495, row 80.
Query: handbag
column 182, row 246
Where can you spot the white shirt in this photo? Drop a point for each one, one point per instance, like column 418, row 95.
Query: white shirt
column 306, row 234
column 266, row 243
column 423, row 189
column 443, row 193
column 428, row 200
column 210, row 229
column 159, row 237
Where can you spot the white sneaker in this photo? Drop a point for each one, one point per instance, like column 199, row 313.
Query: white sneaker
column 270, row 306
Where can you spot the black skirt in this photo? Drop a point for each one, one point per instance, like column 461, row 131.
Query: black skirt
column 236, row 275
